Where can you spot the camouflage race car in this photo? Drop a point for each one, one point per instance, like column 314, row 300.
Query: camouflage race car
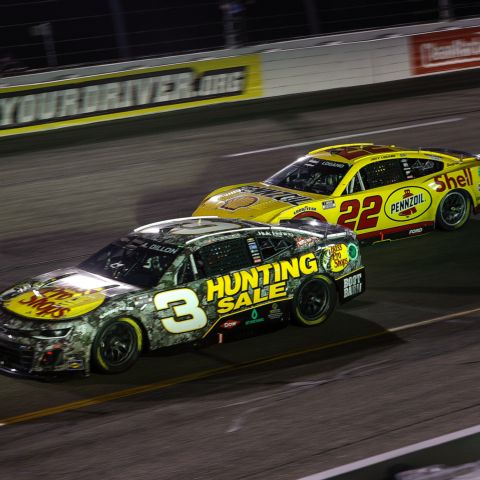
column 380, row 192
column 177, row 281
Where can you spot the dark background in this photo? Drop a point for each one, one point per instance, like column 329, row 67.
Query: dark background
column 85, row 32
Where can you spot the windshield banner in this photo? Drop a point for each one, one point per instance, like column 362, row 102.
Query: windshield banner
column 77, row 101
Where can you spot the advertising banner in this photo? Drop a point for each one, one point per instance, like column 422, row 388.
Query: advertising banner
column 444, row 51
column 78, row 101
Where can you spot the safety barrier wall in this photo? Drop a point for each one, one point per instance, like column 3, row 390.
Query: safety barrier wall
column 327, row 67
column 449, row 457
column 119, row 91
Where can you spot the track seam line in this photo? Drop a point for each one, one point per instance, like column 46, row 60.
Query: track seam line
column 343, row 137
column 215, row 371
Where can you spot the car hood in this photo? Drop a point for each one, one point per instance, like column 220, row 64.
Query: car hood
column 254, row 201
column 61, row 294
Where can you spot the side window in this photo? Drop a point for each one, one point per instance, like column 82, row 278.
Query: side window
column 270, row 246
column 185, row 272
column 384, row 172
column 420, row 167
column 223, row 257
column 355, row 185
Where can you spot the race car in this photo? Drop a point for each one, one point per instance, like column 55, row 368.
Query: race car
column 194, row 280
column 380, row 192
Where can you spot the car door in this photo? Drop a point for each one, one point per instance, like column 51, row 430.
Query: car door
column 361, row 207
column 217, row 280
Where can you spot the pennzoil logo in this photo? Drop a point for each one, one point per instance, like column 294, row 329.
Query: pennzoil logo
column 55, row 303
column 241, row 201
column 407, row 203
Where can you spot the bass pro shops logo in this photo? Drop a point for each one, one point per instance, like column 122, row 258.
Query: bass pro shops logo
column 407, row 203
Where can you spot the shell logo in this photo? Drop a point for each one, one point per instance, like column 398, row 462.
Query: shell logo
column 241, row 201
column 407, row 203
column 55, row 303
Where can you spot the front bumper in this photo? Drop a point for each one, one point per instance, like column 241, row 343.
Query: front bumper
column 16, row 358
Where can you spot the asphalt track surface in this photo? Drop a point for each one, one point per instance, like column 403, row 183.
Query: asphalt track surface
column 398, row 365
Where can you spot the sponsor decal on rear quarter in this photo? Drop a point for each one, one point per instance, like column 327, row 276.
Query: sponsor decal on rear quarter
column 407, row 203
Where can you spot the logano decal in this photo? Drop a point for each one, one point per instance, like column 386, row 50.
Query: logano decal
column 55, row 303
column 405, row 204
column 258, row 285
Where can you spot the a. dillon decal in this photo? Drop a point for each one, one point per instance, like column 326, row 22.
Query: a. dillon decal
column 257, row 285
column 407, row 203
column 55, row 303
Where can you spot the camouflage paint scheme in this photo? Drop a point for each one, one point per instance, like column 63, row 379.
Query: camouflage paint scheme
column 124, row 300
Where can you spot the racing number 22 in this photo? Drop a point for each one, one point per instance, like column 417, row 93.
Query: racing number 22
column 185, row 305
column 371, row 207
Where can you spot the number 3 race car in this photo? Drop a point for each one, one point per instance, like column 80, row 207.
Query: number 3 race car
column 172, row 282
column 380, row 192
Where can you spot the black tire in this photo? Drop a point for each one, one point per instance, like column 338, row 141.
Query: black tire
column 453, row 210
column 116, row 346
column 314, row 301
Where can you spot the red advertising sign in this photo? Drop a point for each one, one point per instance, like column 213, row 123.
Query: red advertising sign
column 444, row 51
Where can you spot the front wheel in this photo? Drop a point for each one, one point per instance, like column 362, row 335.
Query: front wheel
column 116, row 346
column 453, row 210
column 314, row 301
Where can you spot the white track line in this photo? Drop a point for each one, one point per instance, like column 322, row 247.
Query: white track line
column 367, row 462
column 343, row 137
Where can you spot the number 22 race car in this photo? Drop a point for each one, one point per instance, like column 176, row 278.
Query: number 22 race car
column 173, row 282
column 380, row 192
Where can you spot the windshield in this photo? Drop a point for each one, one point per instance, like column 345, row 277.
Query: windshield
column 311, row 175
column 133, row 260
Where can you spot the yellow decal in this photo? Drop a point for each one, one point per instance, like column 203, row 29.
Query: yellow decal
column 407, row 203
column 130, row 93
column 55, row 303
column 335, row 257
column 241, row 201
column 258, row 285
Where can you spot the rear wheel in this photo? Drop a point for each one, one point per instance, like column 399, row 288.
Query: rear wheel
column 453, row 210
column 314, row 301
column 117, row 346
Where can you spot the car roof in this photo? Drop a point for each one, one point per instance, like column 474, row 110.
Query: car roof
column 199, row 230
column 355, row 152
column 180, row 231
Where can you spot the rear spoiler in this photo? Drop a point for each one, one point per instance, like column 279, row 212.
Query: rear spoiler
column 460, row 154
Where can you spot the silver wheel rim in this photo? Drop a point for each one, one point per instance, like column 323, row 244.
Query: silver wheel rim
column 453, row 209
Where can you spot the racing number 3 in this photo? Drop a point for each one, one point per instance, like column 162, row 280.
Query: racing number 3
column 185, row 305
column 368, row 218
